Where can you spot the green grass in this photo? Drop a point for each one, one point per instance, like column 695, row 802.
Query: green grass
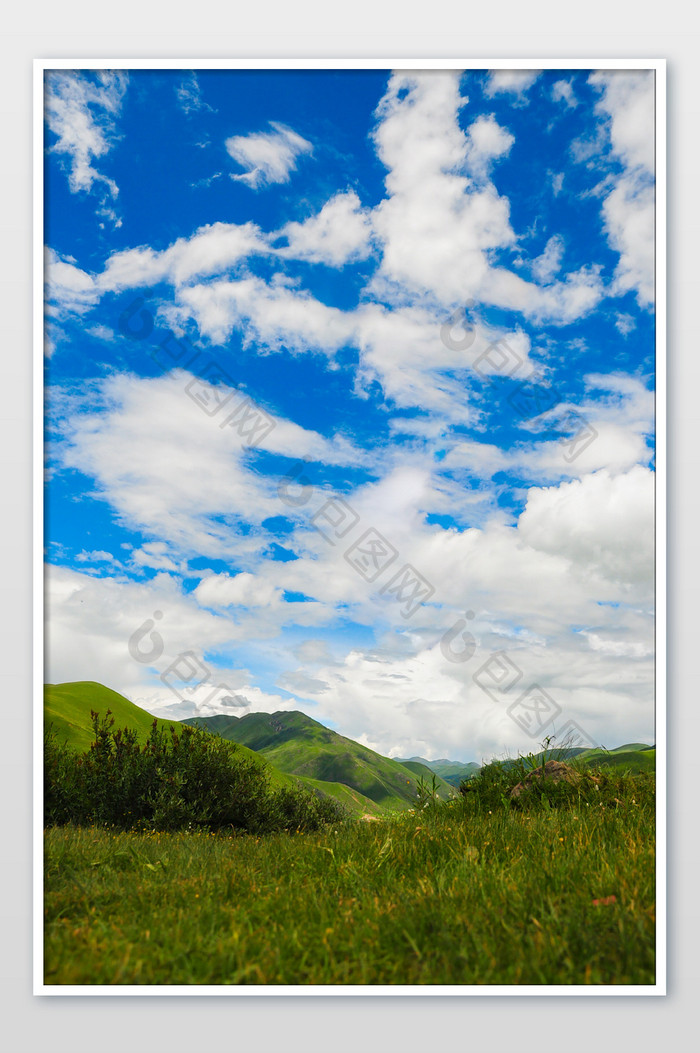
column 448, row 895
column 633, row 758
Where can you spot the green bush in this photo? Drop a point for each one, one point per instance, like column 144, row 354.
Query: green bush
column 179, row 779
column 491, row 787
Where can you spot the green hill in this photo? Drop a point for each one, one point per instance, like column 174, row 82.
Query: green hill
column 622, row 759
column 67, row 711
column 634, row 757
column 451, row 772
column 299, row 745
column 427, row 774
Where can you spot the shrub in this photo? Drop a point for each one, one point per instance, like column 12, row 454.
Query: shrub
column 177, row 779
column 491, row 787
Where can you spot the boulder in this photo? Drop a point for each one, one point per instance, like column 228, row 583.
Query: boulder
column 553, row 771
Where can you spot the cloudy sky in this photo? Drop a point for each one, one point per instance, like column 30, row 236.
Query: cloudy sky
column 350, row 399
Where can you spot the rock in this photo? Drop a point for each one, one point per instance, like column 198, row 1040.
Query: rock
column 553, row 771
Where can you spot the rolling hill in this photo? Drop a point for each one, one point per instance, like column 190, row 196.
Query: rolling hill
column 299, row 745
column 295, row 749
column 339, row 773
column 67, row 709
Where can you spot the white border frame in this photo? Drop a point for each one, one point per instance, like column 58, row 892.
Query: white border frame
column 659, row 68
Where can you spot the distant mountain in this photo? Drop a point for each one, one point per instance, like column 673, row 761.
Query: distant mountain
column 453, row 772
column 632, row 757
column 297, row 744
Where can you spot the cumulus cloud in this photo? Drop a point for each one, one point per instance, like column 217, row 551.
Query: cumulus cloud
column 339, row 233
column 562, row 91
column 268, row 157
column 627, row 104
column 272, row 313
column 486, row 141
column 510, row 81
column 212, row 250
column 68, row 289
column 197, row 500
column 602, row 523
column 443, row 221
column 241, row 590
column 546, row 266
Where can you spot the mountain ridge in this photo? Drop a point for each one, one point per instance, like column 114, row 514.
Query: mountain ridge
column 297, row 744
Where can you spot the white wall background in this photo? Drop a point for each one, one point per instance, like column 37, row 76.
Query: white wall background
column 366, row 28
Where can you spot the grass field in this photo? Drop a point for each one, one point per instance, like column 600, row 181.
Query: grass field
column 438, row 897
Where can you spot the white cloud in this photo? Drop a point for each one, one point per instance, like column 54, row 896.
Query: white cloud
column 510, row 81
column 404, row 350
column 81, row 112
column 627, row 101
column 155, row 555
column 601, row 523
column 68, row 289
column 268, row 157
column 627, row 98
column 624, row 323
column 339, row 233
column 196, row 498
column 101, row 332
column 486, row 141
column 628, row 213
column 546, row 266
column 211, row 250
column 189, row 95
column 241, row 590
column 273, row 314
column 443, row 220
column 99, row 556
column 563, row 92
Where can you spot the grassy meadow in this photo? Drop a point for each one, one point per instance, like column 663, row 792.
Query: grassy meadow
column 448, row 895
column 175, row 856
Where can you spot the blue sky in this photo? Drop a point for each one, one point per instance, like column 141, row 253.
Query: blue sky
column 338, row 361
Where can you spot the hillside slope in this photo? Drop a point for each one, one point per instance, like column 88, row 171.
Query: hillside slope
column 299, row 745
column 67, row 712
